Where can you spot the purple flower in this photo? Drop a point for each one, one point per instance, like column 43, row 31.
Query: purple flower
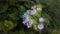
column 32, row 12
column 25, row 18
column 29, row 22
column 40, row 26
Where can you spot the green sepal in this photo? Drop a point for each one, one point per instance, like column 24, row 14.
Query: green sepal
column 37, row 14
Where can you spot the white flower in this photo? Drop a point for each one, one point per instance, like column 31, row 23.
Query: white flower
column 28, row 11
column 39, row 9
column 32, row 12
column 41, row 19
column 40, row 26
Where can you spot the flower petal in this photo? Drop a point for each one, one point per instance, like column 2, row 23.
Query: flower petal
column 40, row 26
column 32, row 12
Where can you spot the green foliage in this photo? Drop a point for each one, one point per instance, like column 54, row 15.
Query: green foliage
column 8, row 24
column 11, row 12
column 1, row 25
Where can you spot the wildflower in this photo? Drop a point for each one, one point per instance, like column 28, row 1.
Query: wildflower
column 41, row 19
column 32, row 12
column 40, row 26
column 29, row 23
column 39, row 9
column 25, row 18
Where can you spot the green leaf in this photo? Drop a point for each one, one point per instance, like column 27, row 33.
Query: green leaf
column 8, row 24
column 1, row 25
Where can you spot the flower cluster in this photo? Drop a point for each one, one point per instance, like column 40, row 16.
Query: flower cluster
column 26, row 19
column 29, row 22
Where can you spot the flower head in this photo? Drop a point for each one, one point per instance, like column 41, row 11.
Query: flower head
column 25, row 18
column 39, row 9
column 41, row 19
column 32, row 12
column 40, row 26
column 29, row 23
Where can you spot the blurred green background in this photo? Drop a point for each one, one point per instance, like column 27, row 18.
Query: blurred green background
column 11, row 12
